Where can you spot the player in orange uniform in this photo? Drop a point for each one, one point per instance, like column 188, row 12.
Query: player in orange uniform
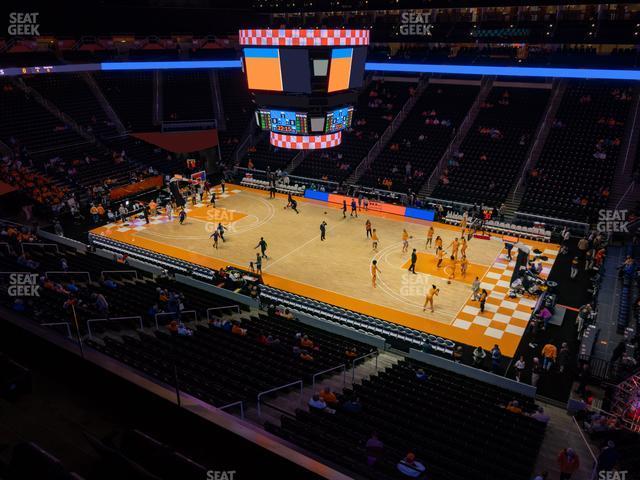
column 432, row 292
column 405, row 240
column 374, row 272
column 430, row 233
column 374, row 239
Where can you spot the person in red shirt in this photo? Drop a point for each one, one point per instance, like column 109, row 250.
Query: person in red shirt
column 569, row 463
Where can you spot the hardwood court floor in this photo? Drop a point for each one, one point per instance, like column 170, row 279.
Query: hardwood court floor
column 337, row 270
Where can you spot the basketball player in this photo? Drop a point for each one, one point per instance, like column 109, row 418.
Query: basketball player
column 455, row 245
column 464, row 264
column 323, row 231
column 222, row 184
column 439, row 256
column 344, row 209
column 215, row 235
column 463, row 246
column 432, row 292
column 452, row 266
column 354, row 208
column 367, row 226
column 221, row 230
column 169, row 211
column 438, row 242
column 182, row 216
column 374, row 238
column 258, row 264
column 374, row 272
column 405, row 240
column 430, row 233
column 294, row 205
column 263, row 247
column 289, row 199
column 463, row 223
column 212, row 200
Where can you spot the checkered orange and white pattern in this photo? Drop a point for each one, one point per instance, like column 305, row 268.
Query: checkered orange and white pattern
column 300, row 38
column 503, row 316
column 306, row 142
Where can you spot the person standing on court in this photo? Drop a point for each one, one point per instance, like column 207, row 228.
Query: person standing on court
column 414, row 259
column 344, row 209
column 354, row 208
column 263, row 247
column 222, row 185
column 323, row 231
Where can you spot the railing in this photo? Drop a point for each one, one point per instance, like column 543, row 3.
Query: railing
column 344, row 375
column 582, row 226
column 534, row 145
column 281, row 387
column 135, row 272
column 94, row 320
column 172, row 126
column 389, row 132
column 362, row 357
column 633, row 126
column 57, row 324
column 46, row 274
column 584, row 439
column 461, row 131
column 175, row 315
column 33, row 244
column 239, row 402
column 599, row 368
column 236, row 307
column 294, row 177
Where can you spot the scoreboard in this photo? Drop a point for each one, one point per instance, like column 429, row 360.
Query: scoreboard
column 304, row 82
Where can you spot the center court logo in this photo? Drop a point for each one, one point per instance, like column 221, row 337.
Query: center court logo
column 23, row 285
column 613, row 221
column 415, row 24
column 24, row 23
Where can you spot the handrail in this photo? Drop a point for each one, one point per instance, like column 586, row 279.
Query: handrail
column 55, row 324
column 175, row 314
column 261, row 394
column 39, row 244
column 237, row 307
column 118, row 271
column 46, row 274
column 264, row 172
column 344, row 375
column 239, row 402
column 584, row 225
column 353, row 363
column 584, row 439
column 109, row 319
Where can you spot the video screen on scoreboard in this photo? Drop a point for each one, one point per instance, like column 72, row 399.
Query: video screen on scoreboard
column 338, row 120
column 278, row 69
column 346, row 68
column 282, row 121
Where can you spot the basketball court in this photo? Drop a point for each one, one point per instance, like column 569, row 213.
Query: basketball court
column 337, row 270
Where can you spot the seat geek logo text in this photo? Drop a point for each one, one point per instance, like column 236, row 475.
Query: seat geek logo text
column 24, row 23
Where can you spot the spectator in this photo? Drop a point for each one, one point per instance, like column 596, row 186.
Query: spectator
column 514, row 407
column 568, row 462
column 329, row 397
column 375, row 448
column 496, row 359
column 352, row 405
column 421, row 375
column 536, row 371
column 563, row 357
column 540, row 416
column 317, row 404
column 549, row 354
column 608, row 458
column 478, row 357
column 520, row 366
column 410, row 467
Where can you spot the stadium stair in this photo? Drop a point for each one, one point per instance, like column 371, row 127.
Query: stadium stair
column 432, row 181
column 623, row 192
column 386, row 136
column 515, row 195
